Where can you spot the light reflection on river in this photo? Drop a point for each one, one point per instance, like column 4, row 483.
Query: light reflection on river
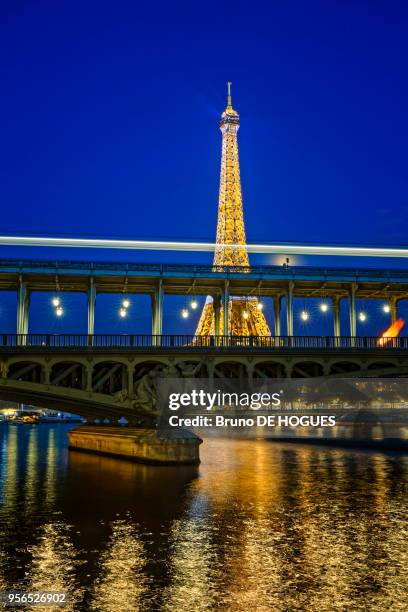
column 258, row 526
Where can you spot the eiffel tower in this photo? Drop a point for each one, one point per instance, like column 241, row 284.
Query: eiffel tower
column 245, row 316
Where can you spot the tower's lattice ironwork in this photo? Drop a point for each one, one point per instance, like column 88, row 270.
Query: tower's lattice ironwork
column 245, row 318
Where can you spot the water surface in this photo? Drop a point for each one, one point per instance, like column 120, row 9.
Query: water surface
column 257, row 526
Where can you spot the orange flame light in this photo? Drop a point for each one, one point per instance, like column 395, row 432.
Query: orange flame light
column 391, row 332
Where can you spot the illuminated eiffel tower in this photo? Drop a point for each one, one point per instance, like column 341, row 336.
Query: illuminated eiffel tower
column 245, row 316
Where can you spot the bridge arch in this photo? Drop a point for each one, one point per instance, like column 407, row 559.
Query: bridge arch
column 230, row 369
column 345, row 367
column 269, row 369
column 29, row 370
column 109, row 376
column 61, row 398
column 68, row 373
column 381, row 364
column 307, row 369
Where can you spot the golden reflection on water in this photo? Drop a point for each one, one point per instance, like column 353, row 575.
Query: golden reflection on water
column 51, row 468
column 8, row 488
column 53, row 565
column 259, row 526
column 9, row 470
column 122, row 584
column 299, row 528
column 193, row 566
column 31, row 475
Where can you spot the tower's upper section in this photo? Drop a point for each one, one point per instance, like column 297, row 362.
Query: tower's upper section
column 230, row 249
column 229, row 116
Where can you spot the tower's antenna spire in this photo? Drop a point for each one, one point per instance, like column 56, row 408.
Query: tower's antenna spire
column 229, row 93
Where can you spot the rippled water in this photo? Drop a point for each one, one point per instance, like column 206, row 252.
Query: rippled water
column 258, row 526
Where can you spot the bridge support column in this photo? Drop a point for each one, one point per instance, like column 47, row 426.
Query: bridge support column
column 277, row 315
column 336, row 317
column 157, row 310
column 91, row 308
column 217, row 314
column 289, row 309
column 225, row 309
column 394, row 309
column 23, row 304
column 353, row 315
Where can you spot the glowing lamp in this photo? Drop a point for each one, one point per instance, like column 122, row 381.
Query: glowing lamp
column 122, row 312
column 184, row 313
column 259, row 306
column 59, row 311
column 304, row 315
column 362, row 316
column 324, row 307
column 194, row 304
column 245, row 314
column 56, row 301
column 126, row 303
column 387, row 308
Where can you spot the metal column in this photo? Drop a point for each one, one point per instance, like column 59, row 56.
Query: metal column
column 289, row 309
column 353, row 315
column 157, row 310
column 91, row 307
column 23, row 305
column 394, row 309
column 225, row 309
column 336, row 317
column 217, row 314
column 277, row 315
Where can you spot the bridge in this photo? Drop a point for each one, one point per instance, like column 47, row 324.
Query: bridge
column 157, row 280
column 104, row 376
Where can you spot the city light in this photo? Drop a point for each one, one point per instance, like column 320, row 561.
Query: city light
column 126, row 303
column 122, row 312
column 185, row 313
column 259, row 306
column 304, row 315
column 245, row 314
column 324, row 307
column 56, row 301
column 362, row 316
column 194, row 304
column 387, row 308
column 59, row 311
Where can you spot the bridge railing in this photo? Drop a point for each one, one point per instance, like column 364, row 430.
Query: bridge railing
column 140, row 341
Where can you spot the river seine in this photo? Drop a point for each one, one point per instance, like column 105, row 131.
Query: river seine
column 258, row 526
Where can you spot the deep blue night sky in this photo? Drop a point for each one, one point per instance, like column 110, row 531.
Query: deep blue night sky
column 110, row 123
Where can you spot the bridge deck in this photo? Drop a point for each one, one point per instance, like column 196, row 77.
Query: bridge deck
column 178, row 279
